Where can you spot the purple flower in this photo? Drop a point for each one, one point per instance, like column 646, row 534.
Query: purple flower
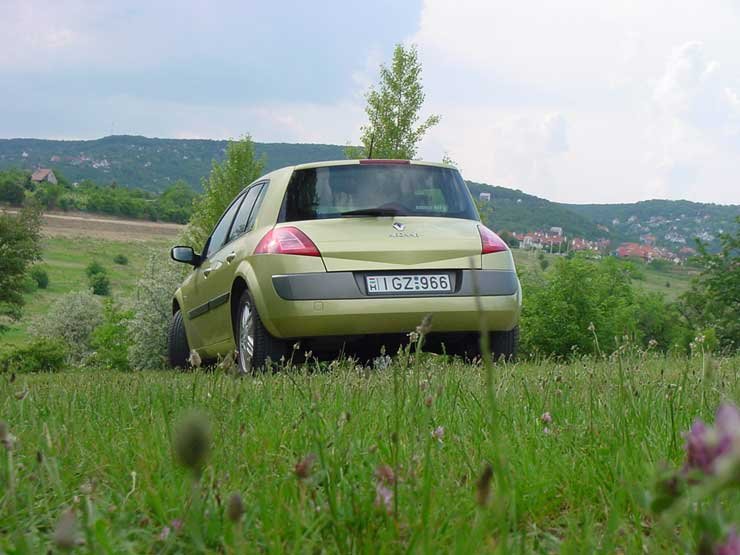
column 706, row 445
column 383, row 497
column 546, row 418
column 731, row 545
column 438, row 433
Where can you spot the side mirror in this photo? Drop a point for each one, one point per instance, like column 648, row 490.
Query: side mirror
column 185, row 255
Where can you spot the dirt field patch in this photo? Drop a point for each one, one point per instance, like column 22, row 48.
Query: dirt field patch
column 103, row 227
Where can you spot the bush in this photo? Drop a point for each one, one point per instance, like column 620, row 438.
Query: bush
column 42, row 355
column 152, row 308
column 28, row 284
column 40, row 276
column 111, row 339
column 121, row 260
column 94, row 268
column 71, row 320
column 100, row 284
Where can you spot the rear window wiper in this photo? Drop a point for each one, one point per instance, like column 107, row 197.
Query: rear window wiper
column 374, row 212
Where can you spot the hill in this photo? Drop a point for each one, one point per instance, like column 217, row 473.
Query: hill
column 513, row 210
column 154, row 164
column 672, row 222
column 150, row 164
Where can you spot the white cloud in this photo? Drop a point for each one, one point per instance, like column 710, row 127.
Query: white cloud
column 587, row 102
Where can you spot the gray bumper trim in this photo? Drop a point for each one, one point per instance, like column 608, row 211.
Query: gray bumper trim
column 351, row 285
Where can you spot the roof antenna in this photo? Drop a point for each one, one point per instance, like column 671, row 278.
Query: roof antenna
column 372, row 140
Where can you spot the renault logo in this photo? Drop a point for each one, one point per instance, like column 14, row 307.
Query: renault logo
column 398, row 226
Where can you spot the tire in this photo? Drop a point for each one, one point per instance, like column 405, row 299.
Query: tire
column 505, row 344
column 264, row 346
column 178, row 350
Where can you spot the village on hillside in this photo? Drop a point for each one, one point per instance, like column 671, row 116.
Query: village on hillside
column 555, row 242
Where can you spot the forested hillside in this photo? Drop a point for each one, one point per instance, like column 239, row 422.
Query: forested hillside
column 150, row 164
column 154, row 165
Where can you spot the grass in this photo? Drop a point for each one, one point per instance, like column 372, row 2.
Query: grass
column 101, row 443
column 65, row 260
column 670, row 282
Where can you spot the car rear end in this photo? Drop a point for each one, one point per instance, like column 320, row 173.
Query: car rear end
column 371, row 247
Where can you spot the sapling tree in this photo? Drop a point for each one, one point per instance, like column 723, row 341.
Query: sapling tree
column 393, row 105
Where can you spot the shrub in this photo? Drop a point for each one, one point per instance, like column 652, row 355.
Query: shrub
column 121, row 259
column 100, row 284
column 111, row 339
column 40, row 277
column 42, row 355
column 152, row 311
column 94, row 268
column 28, row 284
column 71, row 320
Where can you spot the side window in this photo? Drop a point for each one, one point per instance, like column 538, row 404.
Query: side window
column 243, row 221
column 218, row 237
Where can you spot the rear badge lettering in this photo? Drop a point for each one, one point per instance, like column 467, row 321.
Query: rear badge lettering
column 402, row 234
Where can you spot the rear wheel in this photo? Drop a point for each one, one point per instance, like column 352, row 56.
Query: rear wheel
column 177, row 342
column 505, row 343
column 254, row 344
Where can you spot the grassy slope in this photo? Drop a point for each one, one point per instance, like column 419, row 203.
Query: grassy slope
column 65, row 260
column 655, row 281
column 101, row 443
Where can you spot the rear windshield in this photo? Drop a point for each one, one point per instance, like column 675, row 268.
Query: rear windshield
column 357, row 190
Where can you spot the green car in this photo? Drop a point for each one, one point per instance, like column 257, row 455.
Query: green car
column 347, row 251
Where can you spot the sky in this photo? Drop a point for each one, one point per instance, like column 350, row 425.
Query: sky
column 574, row 100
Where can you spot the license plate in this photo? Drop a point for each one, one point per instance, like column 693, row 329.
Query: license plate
column 408, row 283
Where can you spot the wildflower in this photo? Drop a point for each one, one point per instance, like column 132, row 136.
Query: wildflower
column 652, row 343
column 194, row 359
column 591, row 327
column 384, row 478
column 177, row 524
column 413, row 336
column 546, row 431
column 192, row 442
column 235, row 507
column 438, row 433
column 731, row 545
column 229, row 362
column 65, row 531
column 483, row 486
column 303, row 467
column 428, row 401
column 382, row 362
column 164, row 534
column 385, row 474
column 706, row 446
column 425, row 327
column 546, row 418
column 383, row 497
column 6, row 438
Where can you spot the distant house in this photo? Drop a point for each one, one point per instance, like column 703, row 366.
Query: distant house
column 557, row 231
column 44, row 175
column 484, row 197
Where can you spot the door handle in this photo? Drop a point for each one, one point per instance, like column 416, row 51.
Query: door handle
column 230, row 258
column 207, row 271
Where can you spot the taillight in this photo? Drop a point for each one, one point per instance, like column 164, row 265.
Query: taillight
column 286, row 240
column 490, row 242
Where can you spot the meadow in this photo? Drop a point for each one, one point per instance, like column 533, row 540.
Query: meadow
column 421, row 455
column 69, row 245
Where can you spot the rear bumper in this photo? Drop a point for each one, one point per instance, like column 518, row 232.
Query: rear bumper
column 351, row 285
column 340, row 307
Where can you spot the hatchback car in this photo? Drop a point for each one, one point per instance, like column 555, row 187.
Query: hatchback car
column 339, row 251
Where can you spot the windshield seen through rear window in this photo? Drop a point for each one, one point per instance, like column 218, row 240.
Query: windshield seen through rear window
column 376, row 190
